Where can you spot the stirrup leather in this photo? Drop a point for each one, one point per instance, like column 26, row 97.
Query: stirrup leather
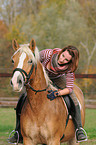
column 17, row 138
column 84, row 133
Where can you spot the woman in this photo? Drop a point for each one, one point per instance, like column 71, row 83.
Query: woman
column 60, row 65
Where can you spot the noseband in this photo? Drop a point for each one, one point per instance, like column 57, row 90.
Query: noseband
column 24, row 72
column 28, row 77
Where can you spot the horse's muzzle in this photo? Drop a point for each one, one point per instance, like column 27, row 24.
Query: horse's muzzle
column 17, row 83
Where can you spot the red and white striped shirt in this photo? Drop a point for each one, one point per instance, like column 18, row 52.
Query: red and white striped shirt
column 45, row 56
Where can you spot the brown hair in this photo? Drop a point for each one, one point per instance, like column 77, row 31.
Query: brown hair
column 74, row 52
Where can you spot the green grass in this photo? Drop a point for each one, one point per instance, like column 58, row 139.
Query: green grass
column 7, row 120
column 7, row 124
column 90, row 123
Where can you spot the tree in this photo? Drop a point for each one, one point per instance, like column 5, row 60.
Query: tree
column 4, row 44
column 10, row 9
column 89, row 55
column 3, row 29
column 57, row 29
column 15, row 33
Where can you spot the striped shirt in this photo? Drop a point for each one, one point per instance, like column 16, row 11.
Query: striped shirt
column 45, row 56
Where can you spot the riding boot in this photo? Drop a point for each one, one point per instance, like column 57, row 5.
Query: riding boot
column 79, row 131
column 17, row 137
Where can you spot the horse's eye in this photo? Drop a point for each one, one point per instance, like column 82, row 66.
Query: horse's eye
column 12, row 61
column 30, row 61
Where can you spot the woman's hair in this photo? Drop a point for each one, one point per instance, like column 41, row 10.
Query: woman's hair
column 74, row 52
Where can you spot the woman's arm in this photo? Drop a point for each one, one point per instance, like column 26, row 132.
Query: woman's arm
column 69, row 85
column 65, row 91
column 45, row 55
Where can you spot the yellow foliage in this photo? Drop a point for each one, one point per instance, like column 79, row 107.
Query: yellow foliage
column 15, row 33
column 87, row 84
column 3, row 29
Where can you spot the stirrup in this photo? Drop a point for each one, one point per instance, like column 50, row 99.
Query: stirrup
column 17, row 138
column 84, row 133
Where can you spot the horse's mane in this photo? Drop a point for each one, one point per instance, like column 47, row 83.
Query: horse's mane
column 35, row 58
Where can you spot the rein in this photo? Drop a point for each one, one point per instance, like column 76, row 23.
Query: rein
column 28, row 77
column 36, row 91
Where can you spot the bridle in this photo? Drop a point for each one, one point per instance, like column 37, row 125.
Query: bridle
column 23, row 72
column 27, row 83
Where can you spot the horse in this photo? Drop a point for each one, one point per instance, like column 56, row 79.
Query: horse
column 42, row 121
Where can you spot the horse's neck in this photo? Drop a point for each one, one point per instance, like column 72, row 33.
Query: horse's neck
column 38, row 83
column 39, row 78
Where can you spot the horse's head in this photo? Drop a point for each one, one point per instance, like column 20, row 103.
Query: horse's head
column 24, row 60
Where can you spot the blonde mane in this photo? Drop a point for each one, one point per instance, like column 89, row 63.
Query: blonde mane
column 48, row 81
column 34, row 56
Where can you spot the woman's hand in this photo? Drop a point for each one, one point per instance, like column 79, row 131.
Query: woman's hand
column 52, row 94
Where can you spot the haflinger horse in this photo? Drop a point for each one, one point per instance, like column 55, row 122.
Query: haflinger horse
column 42, row 121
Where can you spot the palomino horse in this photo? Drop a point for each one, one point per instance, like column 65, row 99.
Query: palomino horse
column 42, row 121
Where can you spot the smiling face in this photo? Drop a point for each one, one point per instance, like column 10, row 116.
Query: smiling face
column 64, row 57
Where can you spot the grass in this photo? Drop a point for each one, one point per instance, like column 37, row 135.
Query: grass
column 90, row 126
column 90, row 123
column 7, row 124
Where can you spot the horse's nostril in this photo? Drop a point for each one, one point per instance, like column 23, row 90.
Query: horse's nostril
column 11, row 83
column 20, row 82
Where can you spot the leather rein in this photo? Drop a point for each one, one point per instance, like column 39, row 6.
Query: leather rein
column 23, row 72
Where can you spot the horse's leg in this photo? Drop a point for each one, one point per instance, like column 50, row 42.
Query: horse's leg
column 72, row 142
column 54, row 141
column 28, row 141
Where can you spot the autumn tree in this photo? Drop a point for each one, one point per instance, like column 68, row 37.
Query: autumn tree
column 4, row 44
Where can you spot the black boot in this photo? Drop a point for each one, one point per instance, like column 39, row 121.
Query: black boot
column 79, row 131
column 17, row 137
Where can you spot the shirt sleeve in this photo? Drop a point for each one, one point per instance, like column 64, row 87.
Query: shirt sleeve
column 70, row 81
column 45, row 55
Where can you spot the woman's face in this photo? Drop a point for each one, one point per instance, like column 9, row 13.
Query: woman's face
column 64, row 58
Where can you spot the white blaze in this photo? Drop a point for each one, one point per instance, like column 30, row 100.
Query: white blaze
column 20, row 64
column 17, row 73
column 21, row 60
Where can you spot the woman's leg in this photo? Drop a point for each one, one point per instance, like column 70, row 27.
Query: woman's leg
column 75, row 109
column 76, row 116
column 18, row 109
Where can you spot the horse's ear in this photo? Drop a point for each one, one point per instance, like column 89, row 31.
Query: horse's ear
column 32, row 45
column 15, row 45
